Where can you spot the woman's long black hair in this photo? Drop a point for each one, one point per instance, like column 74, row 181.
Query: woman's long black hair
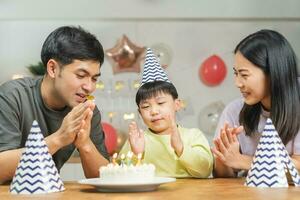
column 271, row 52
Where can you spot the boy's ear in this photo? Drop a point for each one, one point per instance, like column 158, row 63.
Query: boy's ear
column 52, row 68
column 177, row 104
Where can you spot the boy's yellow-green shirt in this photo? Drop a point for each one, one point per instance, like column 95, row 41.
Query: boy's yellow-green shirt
column 196, row 159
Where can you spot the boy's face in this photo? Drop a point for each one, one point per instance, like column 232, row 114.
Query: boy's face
column 73, row 82
column 157, row 112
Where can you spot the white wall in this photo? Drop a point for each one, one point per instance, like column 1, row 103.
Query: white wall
column 147, row 9
column 193, row 29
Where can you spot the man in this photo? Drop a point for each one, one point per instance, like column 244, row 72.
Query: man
column 58, row 101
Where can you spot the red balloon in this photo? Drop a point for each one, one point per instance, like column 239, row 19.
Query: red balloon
column 110, row 137
column 212, row 71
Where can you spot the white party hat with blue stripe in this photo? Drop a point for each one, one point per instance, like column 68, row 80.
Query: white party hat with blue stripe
column 36, row 172
column 152, row 69
column 271, row 163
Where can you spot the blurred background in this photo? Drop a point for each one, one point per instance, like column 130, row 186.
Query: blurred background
column 194, row 40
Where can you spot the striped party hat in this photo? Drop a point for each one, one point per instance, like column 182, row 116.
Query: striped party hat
column 271, row 162
column 36, row 172
column 152, row 69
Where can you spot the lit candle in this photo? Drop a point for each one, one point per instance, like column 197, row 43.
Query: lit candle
column 122, row 159
column 139, row 157
column 114, row 158
column 129, row 158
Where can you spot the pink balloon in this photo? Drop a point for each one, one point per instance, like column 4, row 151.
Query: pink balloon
column 212, row 71
column 110, row 137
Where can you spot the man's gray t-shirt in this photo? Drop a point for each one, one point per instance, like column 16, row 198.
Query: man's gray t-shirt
column 21, row 103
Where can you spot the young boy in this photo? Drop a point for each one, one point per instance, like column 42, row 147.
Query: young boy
column 174, row 150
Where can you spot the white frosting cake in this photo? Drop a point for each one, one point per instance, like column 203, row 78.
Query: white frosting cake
column 127, row 173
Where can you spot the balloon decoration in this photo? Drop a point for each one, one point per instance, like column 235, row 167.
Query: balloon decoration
column 209, row 117
column 163, row 53
column 125, row 56
column 110, row 137
column 212, row 71
column 186, row 108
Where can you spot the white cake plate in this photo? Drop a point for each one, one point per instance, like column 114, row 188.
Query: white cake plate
column 105, row 186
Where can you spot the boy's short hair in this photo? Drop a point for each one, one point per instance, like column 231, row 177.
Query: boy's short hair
column 68, row 43
column 151, row 89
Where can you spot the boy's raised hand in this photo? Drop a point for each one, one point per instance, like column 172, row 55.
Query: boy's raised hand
column 136, row 138
column 176, row 141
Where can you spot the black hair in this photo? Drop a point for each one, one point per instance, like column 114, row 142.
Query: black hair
column 67, row 43
column 151, row 89
column 272, row 53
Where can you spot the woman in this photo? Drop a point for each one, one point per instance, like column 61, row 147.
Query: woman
column 266, row 73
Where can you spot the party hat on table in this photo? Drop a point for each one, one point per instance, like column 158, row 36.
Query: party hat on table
column 152, row 69
column 271, row 162
column 36, row 172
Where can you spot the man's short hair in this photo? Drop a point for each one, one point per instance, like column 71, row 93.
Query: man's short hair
column 68, row 43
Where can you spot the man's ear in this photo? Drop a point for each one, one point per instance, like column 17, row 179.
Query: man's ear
column 52, row 68
column 177, row 104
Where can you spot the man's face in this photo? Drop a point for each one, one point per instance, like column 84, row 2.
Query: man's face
column 157, row 112
column 75, row 81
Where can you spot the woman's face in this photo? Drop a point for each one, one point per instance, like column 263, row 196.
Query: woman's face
column 252, row 82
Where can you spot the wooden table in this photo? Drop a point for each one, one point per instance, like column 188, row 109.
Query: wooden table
column 182, row 189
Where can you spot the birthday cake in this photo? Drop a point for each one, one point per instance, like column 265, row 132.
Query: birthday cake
column 127, row 171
